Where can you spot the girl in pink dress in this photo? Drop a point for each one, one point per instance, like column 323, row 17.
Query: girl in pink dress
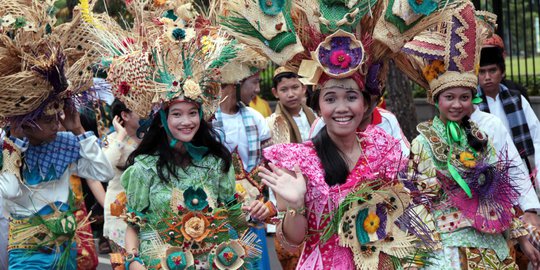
column 313, row 178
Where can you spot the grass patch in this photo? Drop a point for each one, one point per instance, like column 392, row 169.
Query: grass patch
column 521, row 66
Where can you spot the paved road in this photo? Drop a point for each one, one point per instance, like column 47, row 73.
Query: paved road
column 104, row 263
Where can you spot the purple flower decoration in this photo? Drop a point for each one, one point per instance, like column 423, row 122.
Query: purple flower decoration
column 342, row 56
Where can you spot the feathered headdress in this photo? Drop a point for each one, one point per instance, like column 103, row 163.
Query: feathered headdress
column 42, row 66
column 237, row 62
column 440, row 50
column 311, row 37
column 167, row 57
column 266, row 26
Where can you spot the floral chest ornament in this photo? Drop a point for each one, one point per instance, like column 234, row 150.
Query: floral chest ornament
column 489, row 209
column 200, row 231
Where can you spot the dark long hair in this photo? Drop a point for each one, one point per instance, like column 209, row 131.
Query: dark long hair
column 155, row 143
column 118, row 107
column 475, row 143
column 335, row 167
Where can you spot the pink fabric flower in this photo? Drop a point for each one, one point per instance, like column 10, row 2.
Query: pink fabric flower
column 340, row 58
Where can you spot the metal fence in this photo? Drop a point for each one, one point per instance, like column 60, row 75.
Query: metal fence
column 519, row 26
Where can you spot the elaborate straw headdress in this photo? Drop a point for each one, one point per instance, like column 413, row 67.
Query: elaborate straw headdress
column 42, row 66
column 446, row 54
column 166, row 59
column 265, row 26
column 237, row 62
column 331, row 38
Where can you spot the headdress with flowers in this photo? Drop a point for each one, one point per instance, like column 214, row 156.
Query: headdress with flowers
column 162, row 61
column 310, row 37
column 167, row 58
column 43, row 66
column 438, row 48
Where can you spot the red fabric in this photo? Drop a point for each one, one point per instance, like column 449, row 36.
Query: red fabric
column 87, row 257
column 376, row 117
column 468, row 16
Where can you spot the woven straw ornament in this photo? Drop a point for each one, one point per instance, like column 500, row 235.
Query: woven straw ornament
column 41, row 69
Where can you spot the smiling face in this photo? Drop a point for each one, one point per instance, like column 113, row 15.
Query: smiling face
column 183, row 120
column 342, row 107
column 290, row 93
column 455, row 103
column 250, row 88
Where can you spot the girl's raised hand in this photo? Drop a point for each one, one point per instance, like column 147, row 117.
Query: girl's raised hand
column 289, row 187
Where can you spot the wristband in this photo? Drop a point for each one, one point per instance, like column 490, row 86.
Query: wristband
column 132, row 257
column 135, row 259
column 296, row 211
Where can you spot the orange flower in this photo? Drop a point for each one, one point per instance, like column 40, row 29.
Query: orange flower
column 159, row 3
column 433, row 70
column 195, row 226
column 467, row 159
column 371, row 223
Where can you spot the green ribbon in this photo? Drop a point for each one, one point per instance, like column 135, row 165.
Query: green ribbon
column 196, row 152
column 477, row 100
column 455, row 135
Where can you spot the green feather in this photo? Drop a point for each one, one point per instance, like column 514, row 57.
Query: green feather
column 242, row 26
column 228, row 53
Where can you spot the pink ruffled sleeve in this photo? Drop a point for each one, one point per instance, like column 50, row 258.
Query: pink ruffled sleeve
column 287, row 155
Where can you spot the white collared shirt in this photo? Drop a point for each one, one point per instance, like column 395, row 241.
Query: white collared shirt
column 496, row 108
column 303, row 125
column 502, row 141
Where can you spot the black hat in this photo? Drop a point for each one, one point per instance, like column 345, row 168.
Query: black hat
column 491, row 55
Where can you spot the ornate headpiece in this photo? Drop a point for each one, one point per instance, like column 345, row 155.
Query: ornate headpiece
column 42, row 66
column 282, row 70
column 237, row 62
column 168, row 59
column 265, row 26
column 340, row 55
column 447, row 53
column 311, row 37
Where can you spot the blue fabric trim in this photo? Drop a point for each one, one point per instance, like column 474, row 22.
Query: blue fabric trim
column 49, row 161
column 21, row 143
column 136, row 259
column 46, row 259
column 85, row 135
column 46, row 210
